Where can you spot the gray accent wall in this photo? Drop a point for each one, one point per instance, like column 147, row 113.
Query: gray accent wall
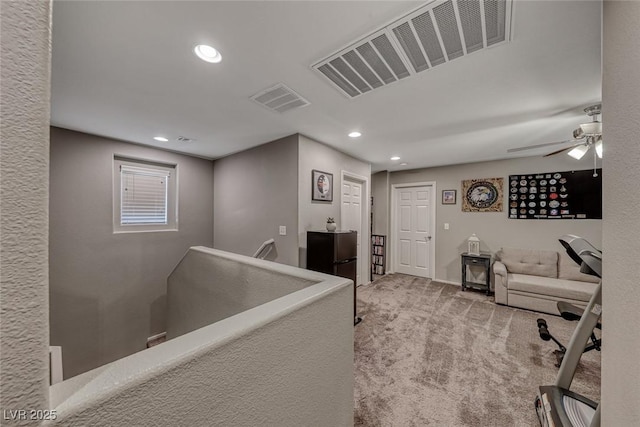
column 312, row 215
column 108, row 291
column 24, row 162
column 380, row 192
column 495, row 230
column 256, row 191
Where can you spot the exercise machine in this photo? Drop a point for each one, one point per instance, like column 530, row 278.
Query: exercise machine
column 569, row 312
column 556, row 405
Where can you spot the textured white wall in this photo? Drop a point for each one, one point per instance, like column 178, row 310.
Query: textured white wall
column 210, row 285
column 621, row 228
column 288, row 362
column 24, row 172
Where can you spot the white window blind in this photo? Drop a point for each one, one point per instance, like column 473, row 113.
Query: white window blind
column 144, row 195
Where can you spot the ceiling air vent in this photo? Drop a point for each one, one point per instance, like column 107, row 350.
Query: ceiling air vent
column 279, row 98
column 434, row 34
column 184, row 139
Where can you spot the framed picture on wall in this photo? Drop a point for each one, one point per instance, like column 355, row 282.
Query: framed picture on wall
column 482, row 195
column 321, row 186
column 448, row 197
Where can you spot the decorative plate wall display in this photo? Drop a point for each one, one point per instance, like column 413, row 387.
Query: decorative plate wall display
column 482, row 195
column 556, row 195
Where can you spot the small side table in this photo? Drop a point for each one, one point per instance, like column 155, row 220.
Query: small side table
column 484, row 260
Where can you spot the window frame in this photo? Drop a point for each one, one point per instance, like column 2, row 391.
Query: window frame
column 172, row 195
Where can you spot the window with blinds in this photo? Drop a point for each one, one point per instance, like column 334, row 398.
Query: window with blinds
column 145, row 199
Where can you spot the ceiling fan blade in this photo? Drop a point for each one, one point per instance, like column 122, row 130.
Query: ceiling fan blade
column 531, row 147
column 563, row 149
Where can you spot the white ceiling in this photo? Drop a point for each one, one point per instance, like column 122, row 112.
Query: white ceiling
column 126, row 70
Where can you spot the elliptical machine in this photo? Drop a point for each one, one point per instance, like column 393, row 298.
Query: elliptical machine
column 556, row 405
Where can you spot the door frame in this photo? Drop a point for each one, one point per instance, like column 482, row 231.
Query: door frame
column 365, row 238
column 394, row 200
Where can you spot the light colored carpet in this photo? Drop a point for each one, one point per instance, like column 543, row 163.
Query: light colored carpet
column 428, row 354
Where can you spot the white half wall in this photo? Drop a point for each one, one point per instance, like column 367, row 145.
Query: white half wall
column 288, row 363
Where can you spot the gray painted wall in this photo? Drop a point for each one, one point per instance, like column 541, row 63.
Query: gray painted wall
column 256, row 191
column 25, row 85
column 621, row 229
column 495, row 230
column 380, row 193
column 313, row 215
column 24, row 190
column 108, row 291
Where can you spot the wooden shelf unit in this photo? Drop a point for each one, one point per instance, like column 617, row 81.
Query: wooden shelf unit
column 378, row 254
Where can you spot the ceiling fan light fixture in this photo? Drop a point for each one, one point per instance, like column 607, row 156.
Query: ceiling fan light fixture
column 599, row 148
column 578, row 152
column 593, row 128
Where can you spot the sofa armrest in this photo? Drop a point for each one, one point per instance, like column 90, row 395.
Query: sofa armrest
column 500, row 269
column 500, row 282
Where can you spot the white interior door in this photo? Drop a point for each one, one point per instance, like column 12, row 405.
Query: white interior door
column 413, row 237
column 351, row 213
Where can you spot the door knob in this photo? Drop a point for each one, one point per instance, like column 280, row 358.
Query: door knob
column 427, row 238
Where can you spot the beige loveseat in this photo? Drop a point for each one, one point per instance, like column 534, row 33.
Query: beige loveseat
column 537, row 280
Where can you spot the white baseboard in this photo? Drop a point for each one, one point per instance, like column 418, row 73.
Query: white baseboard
column 449, row 282
column 55, row 364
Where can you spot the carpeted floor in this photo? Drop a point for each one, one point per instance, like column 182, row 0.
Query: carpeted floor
column 428, row 354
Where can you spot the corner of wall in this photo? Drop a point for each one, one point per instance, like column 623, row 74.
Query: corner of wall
column 26, row 89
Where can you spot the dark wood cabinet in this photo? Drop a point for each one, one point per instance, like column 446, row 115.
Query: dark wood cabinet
column 484, row 261
column 335, row 253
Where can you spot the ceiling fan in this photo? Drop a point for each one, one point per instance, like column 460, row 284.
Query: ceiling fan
column 586, row 136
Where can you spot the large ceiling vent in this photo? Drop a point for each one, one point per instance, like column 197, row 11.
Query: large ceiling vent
column 279, row 98
column 436, row 33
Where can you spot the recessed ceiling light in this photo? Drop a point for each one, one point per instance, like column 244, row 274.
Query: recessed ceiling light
column 160, row 138
column 395, row 158
column 355, row 134
column 207, row 53
column 404, row 164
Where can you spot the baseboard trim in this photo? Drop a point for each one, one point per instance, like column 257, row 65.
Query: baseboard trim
column 448, row 282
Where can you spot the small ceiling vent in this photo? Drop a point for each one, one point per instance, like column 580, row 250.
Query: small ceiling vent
column 184, row 139
column 279, row 98
column 436, row 33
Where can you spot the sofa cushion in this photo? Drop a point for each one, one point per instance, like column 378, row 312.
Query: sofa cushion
column 559, row 288
column 568, row 269
column 530, row 261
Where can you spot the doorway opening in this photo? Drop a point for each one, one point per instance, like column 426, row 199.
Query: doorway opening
column 354, row 215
